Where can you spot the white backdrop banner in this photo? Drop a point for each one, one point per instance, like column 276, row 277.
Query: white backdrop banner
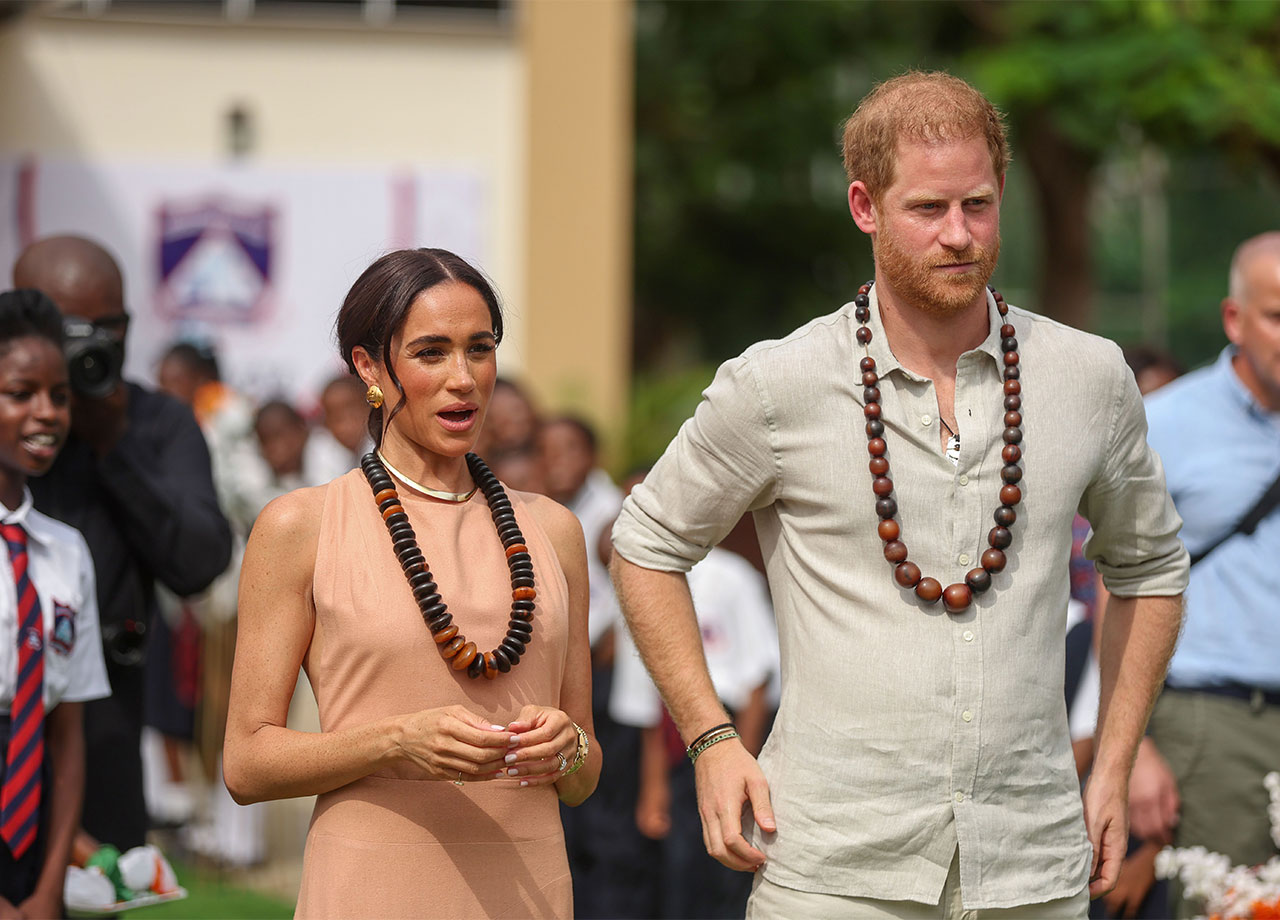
column 254, row 260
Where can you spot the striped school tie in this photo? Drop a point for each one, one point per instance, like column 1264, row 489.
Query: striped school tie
column 20, row 797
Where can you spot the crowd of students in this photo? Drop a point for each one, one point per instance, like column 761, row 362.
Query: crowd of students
column 258, row 452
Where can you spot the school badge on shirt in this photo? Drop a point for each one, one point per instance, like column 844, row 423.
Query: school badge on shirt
column 64, row 629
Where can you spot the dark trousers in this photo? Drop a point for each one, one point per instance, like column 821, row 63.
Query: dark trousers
column 18, row 877
column 172, row 676
column 614, row 866
column 115, row 810
column 694, row 883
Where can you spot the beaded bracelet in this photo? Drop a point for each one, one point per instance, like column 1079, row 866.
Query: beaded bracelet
column 705, row 735
column 584, row 747
column 714, row 739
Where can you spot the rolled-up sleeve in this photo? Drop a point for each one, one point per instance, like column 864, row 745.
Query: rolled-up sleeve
column 1135, row 542
column 722, row 463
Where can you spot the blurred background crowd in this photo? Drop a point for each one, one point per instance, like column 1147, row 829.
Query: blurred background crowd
column 652, row 186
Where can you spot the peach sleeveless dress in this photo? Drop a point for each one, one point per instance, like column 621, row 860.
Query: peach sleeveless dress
column 396, row 844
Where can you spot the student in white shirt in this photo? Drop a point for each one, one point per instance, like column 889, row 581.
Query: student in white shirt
column 612, row 864
column 42, row 777
column 740, row 640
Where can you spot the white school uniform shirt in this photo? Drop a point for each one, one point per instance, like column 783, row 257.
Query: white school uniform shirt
column 739, row 638
column 59, row 564
column 596, row 506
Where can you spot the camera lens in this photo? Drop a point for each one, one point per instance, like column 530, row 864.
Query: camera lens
column 92, row 371
column 125, row 642
column 94, row 358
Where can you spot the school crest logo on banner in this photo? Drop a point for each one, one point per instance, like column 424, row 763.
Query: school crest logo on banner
column 215, row 259
column 63, row 639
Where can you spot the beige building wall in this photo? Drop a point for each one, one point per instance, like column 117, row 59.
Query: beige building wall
column 580, row 60
column 540, row 107
column 325, row 96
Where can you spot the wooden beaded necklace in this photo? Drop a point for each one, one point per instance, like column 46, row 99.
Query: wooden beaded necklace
column 453, row 646
column 957, row 597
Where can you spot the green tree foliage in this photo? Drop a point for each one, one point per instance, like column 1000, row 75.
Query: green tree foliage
column 1077, row 78
column 1186, row 72
column 741, row 226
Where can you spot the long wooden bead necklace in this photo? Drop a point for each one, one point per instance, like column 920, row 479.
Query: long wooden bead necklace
column 453, row 645
column 957, row 597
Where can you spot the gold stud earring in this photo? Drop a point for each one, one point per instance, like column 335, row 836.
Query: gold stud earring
column 373, row 396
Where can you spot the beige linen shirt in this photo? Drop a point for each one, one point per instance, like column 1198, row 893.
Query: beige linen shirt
column 903, row 731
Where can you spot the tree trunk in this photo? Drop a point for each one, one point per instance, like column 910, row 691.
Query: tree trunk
column 1063, row 176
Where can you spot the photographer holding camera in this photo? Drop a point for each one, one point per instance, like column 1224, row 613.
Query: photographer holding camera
column 134, row 478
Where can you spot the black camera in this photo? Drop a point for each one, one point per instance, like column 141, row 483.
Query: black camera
column 125, row 642
column 95, row 357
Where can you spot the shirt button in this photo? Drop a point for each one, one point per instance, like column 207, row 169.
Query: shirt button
column 964, row 480
column 963, row 559
column 968, row 635
column 926, row 420
column 967, row 716
column 959, row 796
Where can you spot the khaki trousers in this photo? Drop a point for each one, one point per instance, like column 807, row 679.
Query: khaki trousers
column 774, row 902
column 1219, row 750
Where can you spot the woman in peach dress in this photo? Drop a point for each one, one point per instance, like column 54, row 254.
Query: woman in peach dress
column 439, row 765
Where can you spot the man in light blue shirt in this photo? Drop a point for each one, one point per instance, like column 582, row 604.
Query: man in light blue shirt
column 1217, row 725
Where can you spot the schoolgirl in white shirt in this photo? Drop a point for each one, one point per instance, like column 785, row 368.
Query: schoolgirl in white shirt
column 50, row 650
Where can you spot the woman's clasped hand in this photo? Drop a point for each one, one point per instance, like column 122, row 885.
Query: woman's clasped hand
column 546, row 741
column 452, row 743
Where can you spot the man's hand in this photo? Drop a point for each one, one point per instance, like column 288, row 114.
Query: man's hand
column 100, row 423
column 1105, row 820
column 728, row 777
column 1153, row 796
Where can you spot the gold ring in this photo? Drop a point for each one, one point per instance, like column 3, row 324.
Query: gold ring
column 564, row 763
column 458, row 781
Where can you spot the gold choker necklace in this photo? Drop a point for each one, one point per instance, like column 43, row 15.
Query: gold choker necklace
column 455, row 497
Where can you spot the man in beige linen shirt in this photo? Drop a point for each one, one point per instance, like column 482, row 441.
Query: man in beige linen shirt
column 920, row 761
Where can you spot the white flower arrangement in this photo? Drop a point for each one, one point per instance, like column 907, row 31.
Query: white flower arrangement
column 1230, row 892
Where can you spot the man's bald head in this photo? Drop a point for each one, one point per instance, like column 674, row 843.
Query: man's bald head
column 1251, row 316
column 1255, row 260
column 78, row 275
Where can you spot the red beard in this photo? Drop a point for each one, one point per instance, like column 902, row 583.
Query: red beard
column 918, row 283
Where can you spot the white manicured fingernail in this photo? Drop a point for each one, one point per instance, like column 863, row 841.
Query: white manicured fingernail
column 514, row 740
column 512, row 771
column 497, row 728
column 510, row 758
column 524, row 782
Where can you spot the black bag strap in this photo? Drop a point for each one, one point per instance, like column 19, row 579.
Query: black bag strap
column 1265, row 504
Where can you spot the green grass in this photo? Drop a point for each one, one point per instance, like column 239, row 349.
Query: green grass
column 212, row 897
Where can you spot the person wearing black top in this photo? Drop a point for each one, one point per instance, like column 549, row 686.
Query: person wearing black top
column 134, row 478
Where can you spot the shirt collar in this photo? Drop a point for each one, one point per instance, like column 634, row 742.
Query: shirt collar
column 24, row 517
column 885, row 359
column 1235, row 386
